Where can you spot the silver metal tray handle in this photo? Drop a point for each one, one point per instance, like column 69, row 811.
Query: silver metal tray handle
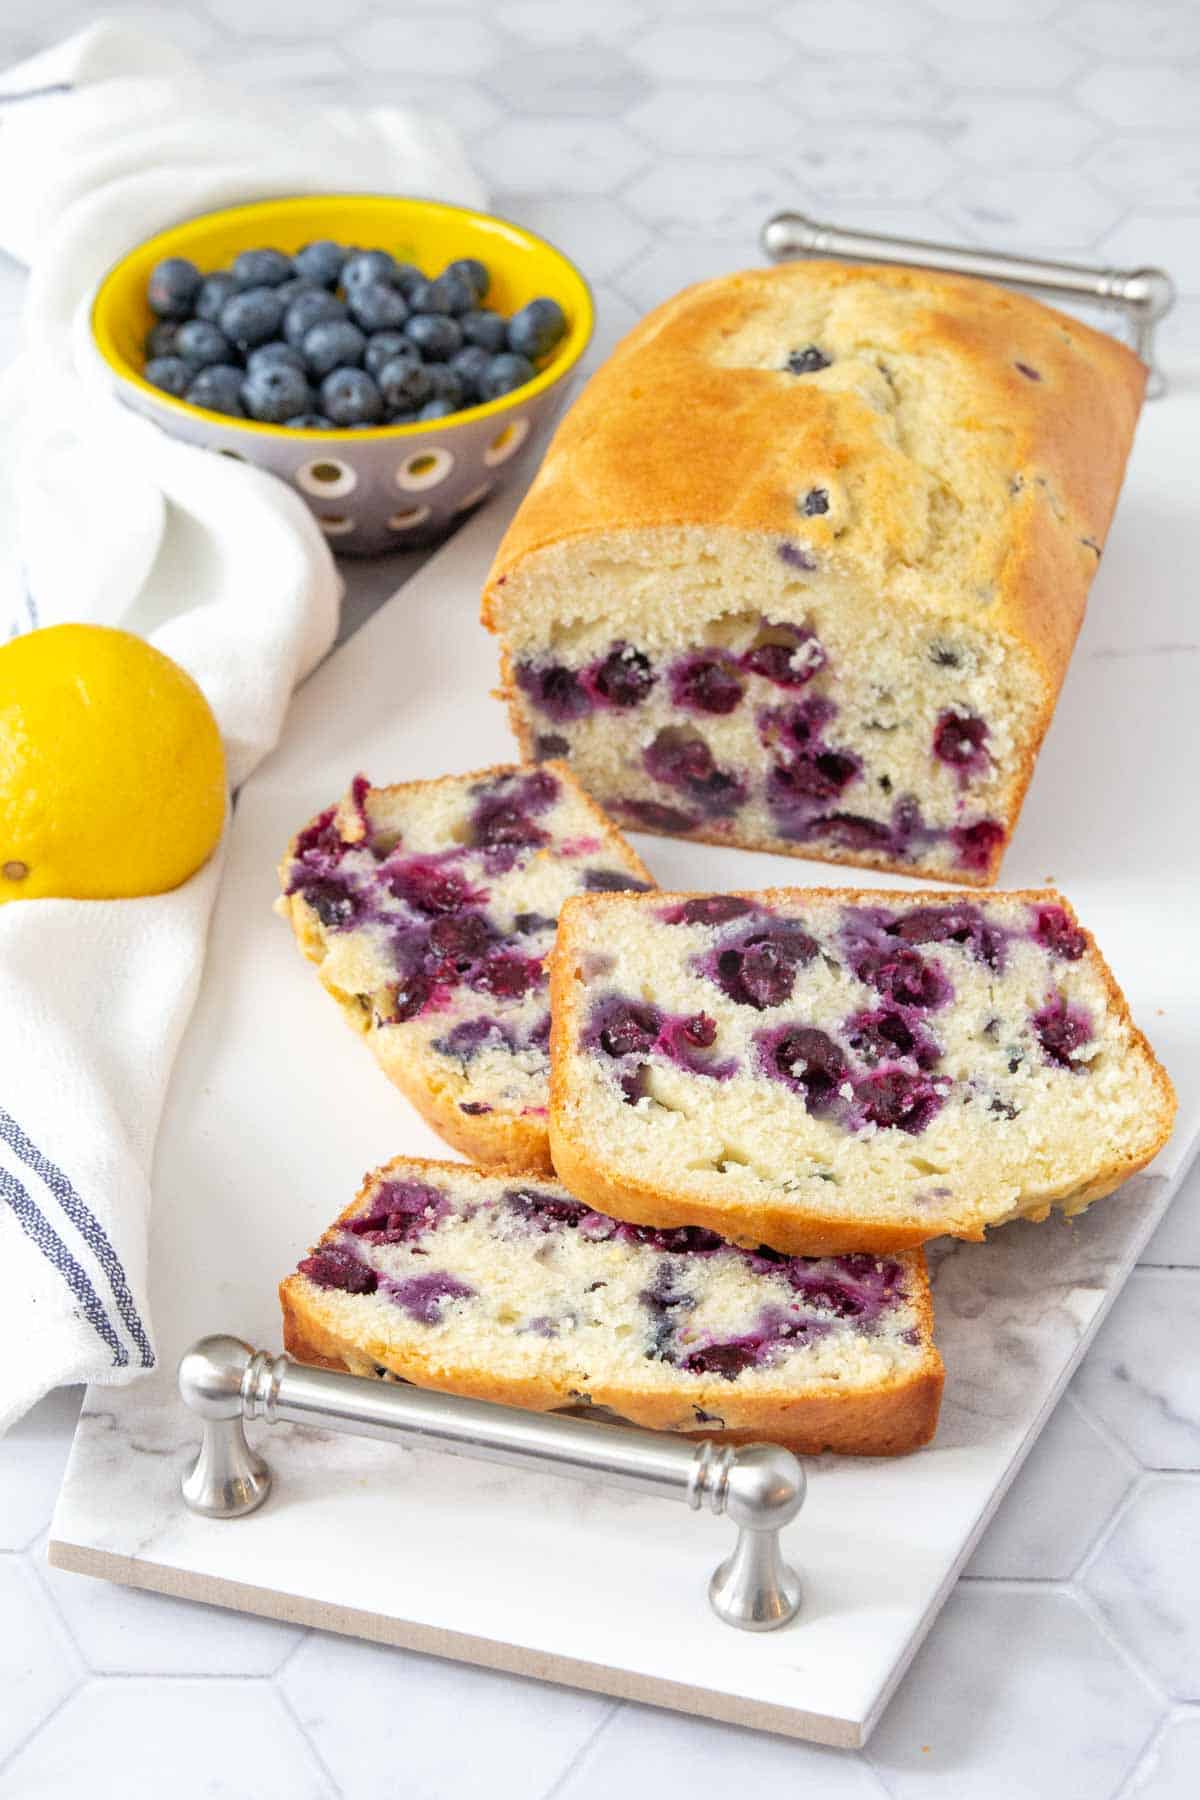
column 1144, row 295
column 760, row 1487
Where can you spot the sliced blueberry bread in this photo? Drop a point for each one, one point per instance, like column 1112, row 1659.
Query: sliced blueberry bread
column 510, row 1290
column 830, row 1071
column 429, row 909
column 804, row 564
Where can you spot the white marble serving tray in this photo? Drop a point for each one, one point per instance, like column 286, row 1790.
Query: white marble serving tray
column 276, row 1110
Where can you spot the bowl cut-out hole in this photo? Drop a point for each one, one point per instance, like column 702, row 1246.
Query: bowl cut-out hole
column 506, row 443
column 473, row 498
column 327, row 477
column 424, row 469
column 407, row 521
column 233, row 455
column 336, row 524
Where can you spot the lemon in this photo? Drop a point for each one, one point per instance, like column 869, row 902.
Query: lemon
column 112, row 777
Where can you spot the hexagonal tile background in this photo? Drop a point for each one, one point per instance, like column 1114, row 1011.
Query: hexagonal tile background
column 651, row 138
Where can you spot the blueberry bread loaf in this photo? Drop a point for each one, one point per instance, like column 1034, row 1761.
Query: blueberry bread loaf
column 829, row 1071
column 804, row 565
column 429, row 909
column 510, row 1290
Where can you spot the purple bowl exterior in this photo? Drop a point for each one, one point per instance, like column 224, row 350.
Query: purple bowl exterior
column 363, row 512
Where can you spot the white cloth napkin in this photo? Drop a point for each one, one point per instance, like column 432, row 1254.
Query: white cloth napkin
column 103, row 518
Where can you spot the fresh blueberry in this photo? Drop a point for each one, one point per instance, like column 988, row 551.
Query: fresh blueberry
column 292, row 290
column 448, row 294
column 276, row 392
column 406, row 277
column 219, row 388
column 350, row 397
column 160, row 339
column 334, row 344
column 252, row 317
column 321, row 262
column 309, row 422
column 269, row 355
column 377, row 307
column 173, row 287
column 262, row 268
column 215, row 290
column 447, row 385
column 201, row 344
column 456, row 293
column 404, row 384
column 435, row 335
column 366, row 267
column 382, row 346
column 485, row 328
column 473, row 272
column 310, row 310
column 171, row 374
column 505, row 373
column 471, row 364
column 438, row 408
column 534, row 331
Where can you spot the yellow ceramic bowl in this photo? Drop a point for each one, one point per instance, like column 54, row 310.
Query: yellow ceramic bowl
column 390, row 486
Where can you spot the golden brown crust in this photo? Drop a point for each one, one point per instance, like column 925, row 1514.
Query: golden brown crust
column 715, row 445
column 787, row 1226
column 889, row 1419
column 498, row 1140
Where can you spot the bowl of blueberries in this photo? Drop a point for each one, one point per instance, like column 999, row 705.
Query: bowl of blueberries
column 388, row 358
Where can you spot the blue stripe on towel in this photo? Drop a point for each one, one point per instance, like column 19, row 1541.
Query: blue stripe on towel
column 87, row 1225
column 35, row 1227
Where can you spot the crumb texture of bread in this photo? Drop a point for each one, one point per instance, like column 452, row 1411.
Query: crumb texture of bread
column 510, row 1290
column 429, row 909
column 837, row 1070
column 804, row 564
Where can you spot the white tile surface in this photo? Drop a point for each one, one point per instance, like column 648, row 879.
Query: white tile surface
column 922, row 118
column 169, row 1740
column 641, row 1752
column 1172, row 1765
column 705, row 51
column 1015, row 1696
column 1145, row 1578
column 38, row 1663
column 447, row 1731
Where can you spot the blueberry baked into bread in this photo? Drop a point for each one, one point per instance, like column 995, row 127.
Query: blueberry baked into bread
column 832, row 1070
column 803, row 566
column 509, row 1290
column 429, row 909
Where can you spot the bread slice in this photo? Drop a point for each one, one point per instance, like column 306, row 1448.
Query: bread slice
column 832, row 1070
column 803, row 565
column 429, row 909
column 509, row 1290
